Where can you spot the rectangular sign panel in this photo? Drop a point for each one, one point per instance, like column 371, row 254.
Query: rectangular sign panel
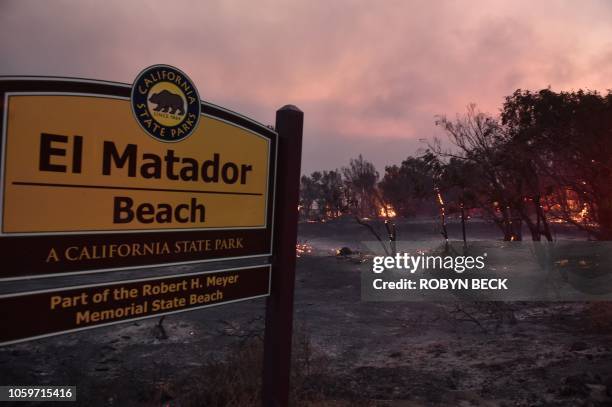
column 97, row 171
column 45, row 313
column 99, row 176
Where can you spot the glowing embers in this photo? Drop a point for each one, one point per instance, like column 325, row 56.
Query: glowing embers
column 302, row 249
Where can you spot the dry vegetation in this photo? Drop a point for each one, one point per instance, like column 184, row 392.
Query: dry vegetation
column 234, row 380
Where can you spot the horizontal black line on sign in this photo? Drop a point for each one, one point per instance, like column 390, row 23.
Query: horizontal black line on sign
column 195, row 191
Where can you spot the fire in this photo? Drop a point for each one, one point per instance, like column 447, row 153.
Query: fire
column 584, row 212
column 302, row 249
column 569, row 207
column 387, row 211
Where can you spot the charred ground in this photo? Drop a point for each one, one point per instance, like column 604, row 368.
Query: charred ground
column 347, row 352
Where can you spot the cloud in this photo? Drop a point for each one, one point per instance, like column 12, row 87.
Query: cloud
column 370, row 76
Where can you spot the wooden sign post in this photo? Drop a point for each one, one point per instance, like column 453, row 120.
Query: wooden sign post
column 279, row 308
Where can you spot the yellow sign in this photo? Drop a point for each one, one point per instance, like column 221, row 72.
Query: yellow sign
column 81, row 162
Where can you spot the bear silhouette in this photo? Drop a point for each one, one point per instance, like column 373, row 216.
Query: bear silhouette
column 167, row 102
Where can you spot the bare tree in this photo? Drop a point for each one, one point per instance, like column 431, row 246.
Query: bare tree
column 360, row 178
column 504, row 184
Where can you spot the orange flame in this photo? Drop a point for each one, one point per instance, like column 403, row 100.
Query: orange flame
column 387, row 211
column 583, row 214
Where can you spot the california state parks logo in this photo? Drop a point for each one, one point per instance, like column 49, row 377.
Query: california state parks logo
column 165, row 103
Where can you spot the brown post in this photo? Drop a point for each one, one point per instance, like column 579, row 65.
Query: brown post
column 279, row 306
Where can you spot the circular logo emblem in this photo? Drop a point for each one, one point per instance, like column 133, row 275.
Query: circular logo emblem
column 165, row 103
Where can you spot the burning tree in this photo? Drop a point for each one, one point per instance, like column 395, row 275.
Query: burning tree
column 454, row 191
column 479, row 141
column 409, row 188
column 567, row 136
column 365, row 200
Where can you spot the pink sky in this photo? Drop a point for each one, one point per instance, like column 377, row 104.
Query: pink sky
column 369, row 75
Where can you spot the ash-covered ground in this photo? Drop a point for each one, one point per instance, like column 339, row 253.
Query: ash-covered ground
column 348, row 352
